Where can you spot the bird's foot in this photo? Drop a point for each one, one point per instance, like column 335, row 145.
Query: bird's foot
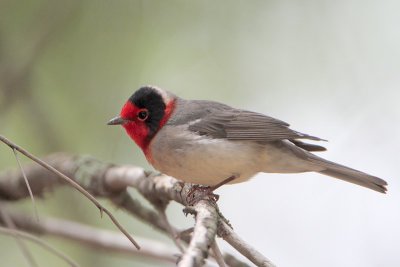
column 199, row 192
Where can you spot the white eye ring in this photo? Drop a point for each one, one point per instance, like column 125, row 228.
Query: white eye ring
column 143, row 114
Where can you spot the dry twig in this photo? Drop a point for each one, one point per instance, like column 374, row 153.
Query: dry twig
column 27, row 184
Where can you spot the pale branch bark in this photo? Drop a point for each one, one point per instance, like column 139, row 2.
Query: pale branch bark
column 111, row 181
column 97, row 238
column 204, row 233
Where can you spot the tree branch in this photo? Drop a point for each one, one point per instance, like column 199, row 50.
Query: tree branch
column 97, row 238
column 111, row 181
column 204, row 233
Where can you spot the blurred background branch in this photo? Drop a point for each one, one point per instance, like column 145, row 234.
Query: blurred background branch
column 99, row 239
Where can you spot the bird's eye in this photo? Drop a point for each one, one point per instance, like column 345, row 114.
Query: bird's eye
column 143, row 114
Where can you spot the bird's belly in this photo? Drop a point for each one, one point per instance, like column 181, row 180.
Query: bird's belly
column 206, row 161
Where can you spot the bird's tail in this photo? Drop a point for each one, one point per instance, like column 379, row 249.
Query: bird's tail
column 350, row 175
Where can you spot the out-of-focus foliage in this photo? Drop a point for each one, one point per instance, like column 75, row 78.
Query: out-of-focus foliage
column 329, row 67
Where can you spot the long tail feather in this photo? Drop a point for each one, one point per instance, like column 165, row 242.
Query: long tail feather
column 351, row 175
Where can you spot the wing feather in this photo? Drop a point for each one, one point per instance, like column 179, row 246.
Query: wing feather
column 235, row 124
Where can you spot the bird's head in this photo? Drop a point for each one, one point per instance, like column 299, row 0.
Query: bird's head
column 145, row 113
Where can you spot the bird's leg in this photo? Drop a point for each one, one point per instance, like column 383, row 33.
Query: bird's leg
column 227, row 180
column 204, row 191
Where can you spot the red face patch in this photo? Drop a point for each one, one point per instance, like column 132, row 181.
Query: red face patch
column 138, row 128
column 135, row 128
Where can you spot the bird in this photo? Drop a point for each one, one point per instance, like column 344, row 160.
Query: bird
column 211, row 144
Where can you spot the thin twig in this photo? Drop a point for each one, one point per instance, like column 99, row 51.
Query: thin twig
column 40, row 242
column 74, row 184
column 27, row 184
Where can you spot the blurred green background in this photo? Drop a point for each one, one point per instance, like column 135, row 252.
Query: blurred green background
column 330, row 68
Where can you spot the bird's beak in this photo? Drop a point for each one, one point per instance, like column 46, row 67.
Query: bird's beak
column 117, row 121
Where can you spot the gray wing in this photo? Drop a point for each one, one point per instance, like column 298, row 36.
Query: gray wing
column 220, row 121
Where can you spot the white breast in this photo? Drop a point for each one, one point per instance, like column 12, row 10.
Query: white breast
column 197, row 159
column 202, row 160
